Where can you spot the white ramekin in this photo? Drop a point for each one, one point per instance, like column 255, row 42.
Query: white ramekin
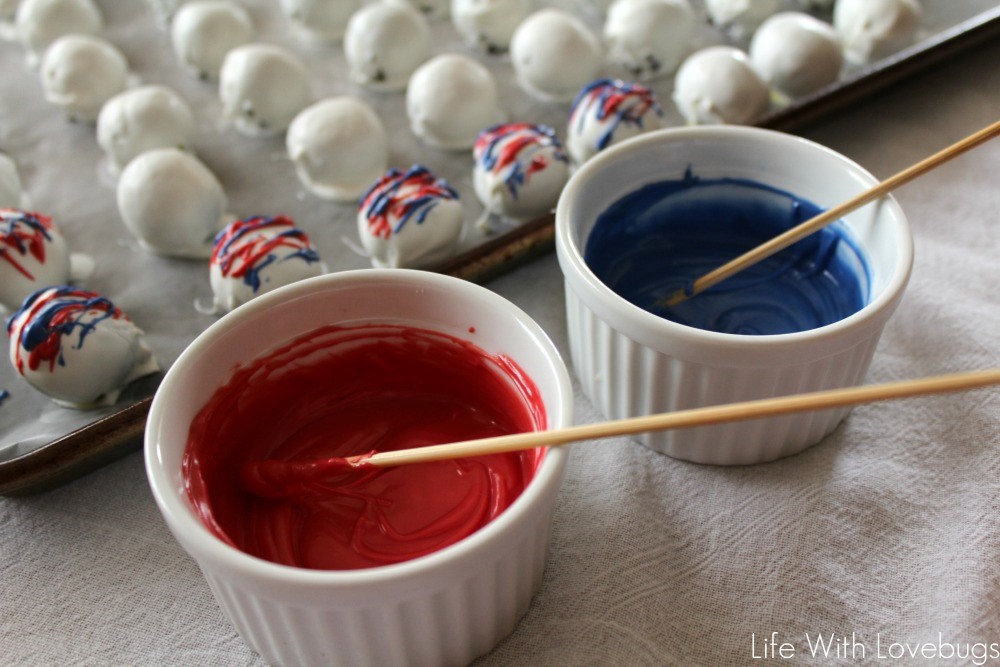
column 445, row 608
column 631, row 362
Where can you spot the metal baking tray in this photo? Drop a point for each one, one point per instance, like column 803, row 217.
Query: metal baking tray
column 42, row 445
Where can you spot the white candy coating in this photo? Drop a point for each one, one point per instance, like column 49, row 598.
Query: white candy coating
column 339, row 148
column 796, row 54
column 33, row 255
column 432, row 9
column 171, row 202
column 203, row 32
column 648, row 37
column 259, row 254
column 554, row 54
column 718, row 85
column 321, row 19
column 450, row 100
column 142, row 119
column 262, row 88
column 740, row 17
column 607, row 112
column 385, row 41
column 519, row 170
column 873, row 29
column 11, row 192
column 80, row 73
column 95, row 349
column 488, row 25
column 39, row 23
column 409, row 220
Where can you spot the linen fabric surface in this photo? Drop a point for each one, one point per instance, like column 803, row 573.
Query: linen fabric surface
column 889, row 530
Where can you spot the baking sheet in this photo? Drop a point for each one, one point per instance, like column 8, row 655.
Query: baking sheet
column 65, row 176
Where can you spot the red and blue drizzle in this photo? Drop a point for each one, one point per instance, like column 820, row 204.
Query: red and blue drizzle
column 517, row 149
column 51, row 314
column 400, row 197
column 615, row 101
column 245, row 247
column 22, row 234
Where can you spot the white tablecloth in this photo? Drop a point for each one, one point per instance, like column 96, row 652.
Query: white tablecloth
column 889, row 530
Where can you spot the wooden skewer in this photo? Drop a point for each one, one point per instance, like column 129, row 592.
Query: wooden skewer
column 814, row 224
column 259, row 476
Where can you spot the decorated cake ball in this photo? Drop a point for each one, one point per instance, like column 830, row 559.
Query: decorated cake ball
column 33, row 255
column 450, row 99
column 740, row 17
column 488, row 25
column 171, row 202
column 520, row 170
column 648, row 38
column 259, row 254
column 718, row 85
column 203, row 32
column 39, row 23
column 11, row 192
column 142, row 119
column 262, row 88
column 410, row 220
column 608, row 111
column 873, row 29
column 432, row 9
column 385, row 41
column 339, row 147
column 77, row 347
column 321, row 19
column 796, row 54
column 554, row 54
column 80, row 73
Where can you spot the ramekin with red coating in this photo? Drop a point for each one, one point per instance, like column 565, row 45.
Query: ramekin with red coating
column 444, row 608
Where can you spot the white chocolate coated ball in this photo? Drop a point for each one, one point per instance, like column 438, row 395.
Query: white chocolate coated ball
column 488, row 25
column 80, row 73
column 796, row 54
column 262, row 88
column 554, row 54
column 339, row 148
column 39, row 23
column 873, row 29
column 384, row 43
column 203, row 32
column 718, row 85
column 142, row 119
column 171, row 202
column 450, row 100
column 34, row 255
column 609, row 111
column 648, row 38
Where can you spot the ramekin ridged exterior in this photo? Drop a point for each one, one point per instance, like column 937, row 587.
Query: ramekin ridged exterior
column 631, row 362
column 445, row 608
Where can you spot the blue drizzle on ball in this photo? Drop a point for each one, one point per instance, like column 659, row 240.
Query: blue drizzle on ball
column 665, row 235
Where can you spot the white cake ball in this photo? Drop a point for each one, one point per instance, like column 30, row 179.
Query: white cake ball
column 142, row 119
column 740, row 17
column 718, row 85
column 339, row 148
column 322, row 19
column 33, row 255
column 649, row 38
column 77, row 347
column 432, row 9
column 262, row 88
column 204, row 32
column 449, row 101
column 608, row 111
column 171, row 202
column 11, row 193
column 519, row 170
column 259, row 254
column 80, row 73
column 39, row 23
column 410, row 220
column 385, row 41
column 796, row 54
column 873, row 29
column 554, row 54
column 488, row 25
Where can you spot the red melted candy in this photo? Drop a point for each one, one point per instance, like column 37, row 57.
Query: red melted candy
column 343, row 391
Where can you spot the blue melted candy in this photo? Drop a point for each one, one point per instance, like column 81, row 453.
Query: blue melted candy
column 663, row 236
